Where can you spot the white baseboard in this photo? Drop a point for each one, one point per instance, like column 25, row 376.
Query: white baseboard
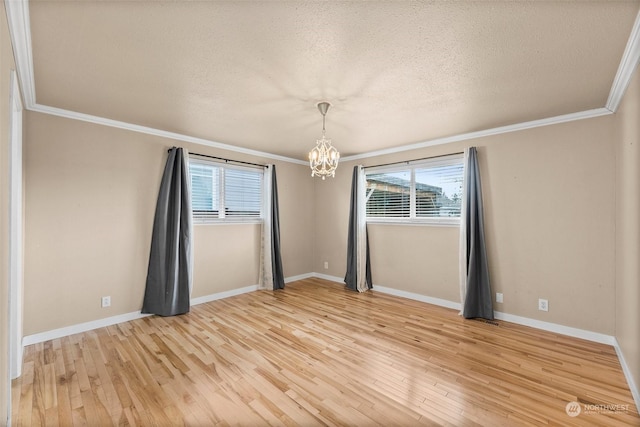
column 224, row 294
column 417, row 297
column 329, row 278
column 525, row 321
column 556, row 328
column 627, row 374
column 113, row 320
column 298, row 277
column 81, row 327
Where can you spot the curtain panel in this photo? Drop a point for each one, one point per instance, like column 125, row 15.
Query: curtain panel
column 271, row 271
column 475, row 287
column 358, row 275
column 170, row 271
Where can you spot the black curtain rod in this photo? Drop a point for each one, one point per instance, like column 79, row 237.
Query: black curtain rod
column 225, row 160
column 413, row 160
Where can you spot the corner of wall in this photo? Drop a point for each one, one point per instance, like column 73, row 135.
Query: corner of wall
column 627, row 232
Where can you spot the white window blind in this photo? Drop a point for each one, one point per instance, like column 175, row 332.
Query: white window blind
column 439, row 191
column 389, row 194
column 225, row 193
column 425, row 192
column 242, row 193
column 205, row 198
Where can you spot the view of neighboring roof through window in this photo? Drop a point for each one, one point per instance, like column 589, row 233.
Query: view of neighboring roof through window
column 428, row 191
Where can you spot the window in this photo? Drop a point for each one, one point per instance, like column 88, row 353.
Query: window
column 388, row 194
column 225, row 193
column 425, row 192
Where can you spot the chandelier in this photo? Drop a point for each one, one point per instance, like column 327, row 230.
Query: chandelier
column 324, row 157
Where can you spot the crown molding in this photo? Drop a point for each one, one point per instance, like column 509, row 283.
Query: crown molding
column 157, row 132
column 628, row 64
column 20, row 32
column 588, row 114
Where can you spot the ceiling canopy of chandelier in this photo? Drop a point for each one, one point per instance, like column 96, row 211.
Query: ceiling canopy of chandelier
column 323, row 159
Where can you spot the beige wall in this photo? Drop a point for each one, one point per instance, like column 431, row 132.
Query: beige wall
column 549, row 215
column 434, row 267
column 628, row 228
column 7, row 64
column 90, row 200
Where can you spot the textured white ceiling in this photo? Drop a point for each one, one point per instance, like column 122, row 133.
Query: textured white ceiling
column 250, row 74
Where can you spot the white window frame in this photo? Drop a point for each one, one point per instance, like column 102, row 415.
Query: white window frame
column 454, row 159
column 199, row 219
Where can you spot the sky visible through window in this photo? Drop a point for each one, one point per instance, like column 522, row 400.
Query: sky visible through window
column 448, row 178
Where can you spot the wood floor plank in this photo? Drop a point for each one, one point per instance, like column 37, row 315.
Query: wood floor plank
column 318, row 354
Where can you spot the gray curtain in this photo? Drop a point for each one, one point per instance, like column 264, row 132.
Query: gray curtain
column 351, row 276
column 276, row 259
column 169, row 275
column 478, row 301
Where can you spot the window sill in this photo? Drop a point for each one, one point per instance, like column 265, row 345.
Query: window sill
column 197, row 221
column 443, row 222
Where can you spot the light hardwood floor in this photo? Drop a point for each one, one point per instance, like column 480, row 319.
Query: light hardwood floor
column 317, row 354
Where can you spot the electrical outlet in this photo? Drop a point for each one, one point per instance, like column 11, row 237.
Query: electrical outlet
column 105, row 302
column 498, row 297
column 326, row 265
column 543, row 305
